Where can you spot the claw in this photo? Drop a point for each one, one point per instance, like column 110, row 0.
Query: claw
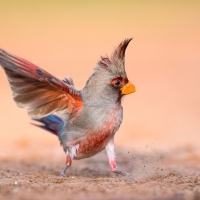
column 68, row 163
column 124, row 174
column 112, row 160
column 62, row 174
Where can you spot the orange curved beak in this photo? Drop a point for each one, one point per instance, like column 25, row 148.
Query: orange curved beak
column 128, row 88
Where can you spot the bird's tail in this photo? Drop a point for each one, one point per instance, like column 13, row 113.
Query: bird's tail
column 51, row 123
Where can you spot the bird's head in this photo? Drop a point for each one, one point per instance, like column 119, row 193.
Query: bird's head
column 109, row 82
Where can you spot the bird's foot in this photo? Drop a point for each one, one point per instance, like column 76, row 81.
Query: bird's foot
column 124, row 174
column 62, row 174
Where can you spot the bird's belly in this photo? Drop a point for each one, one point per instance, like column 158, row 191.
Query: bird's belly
column 96, row 140
column 93, row 144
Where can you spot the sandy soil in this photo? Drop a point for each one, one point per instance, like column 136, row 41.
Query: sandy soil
column 158, row 175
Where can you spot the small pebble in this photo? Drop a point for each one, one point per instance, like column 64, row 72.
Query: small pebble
column 16, row 182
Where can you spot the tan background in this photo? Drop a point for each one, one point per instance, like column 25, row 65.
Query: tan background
column 67, row 38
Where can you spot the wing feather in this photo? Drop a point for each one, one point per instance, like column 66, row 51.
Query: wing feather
column 35, row 89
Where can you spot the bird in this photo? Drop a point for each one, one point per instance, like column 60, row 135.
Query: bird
column 85, row 121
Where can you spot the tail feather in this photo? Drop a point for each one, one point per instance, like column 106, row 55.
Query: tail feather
column 51, row 123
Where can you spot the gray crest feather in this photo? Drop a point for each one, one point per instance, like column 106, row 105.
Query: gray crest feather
column 116, row 62
column 118, row 54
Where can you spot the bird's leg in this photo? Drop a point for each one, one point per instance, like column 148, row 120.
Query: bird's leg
column 68, row 163
column 110, row 150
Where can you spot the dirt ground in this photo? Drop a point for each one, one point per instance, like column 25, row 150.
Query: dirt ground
column 158, row 175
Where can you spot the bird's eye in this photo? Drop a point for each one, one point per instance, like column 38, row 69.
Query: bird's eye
column 117, row 82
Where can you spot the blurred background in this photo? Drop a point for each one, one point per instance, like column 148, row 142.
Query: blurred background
column 67, row 38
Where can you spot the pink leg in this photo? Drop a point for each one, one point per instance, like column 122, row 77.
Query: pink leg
column 110, row 150
column 68, row 163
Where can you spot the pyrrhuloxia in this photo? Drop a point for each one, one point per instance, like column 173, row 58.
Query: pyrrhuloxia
column 85, row 121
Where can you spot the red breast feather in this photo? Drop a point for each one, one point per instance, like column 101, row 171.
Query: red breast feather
column 96, row 141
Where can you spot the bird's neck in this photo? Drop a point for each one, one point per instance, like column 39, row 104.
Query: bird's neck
column 100, row 100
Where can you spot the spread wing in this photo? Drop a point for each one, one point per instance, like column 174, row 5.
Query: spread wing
column 37, row 90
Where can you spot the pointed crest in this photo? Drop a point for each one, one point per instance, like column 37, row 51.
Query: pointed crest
column 118, row 54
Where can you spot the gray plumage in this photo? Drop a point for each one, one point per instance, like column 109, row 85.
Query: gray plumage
column 85, row 121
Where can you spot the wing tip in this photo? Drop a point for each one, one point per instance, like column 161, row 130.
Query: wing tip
column 2, row 55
